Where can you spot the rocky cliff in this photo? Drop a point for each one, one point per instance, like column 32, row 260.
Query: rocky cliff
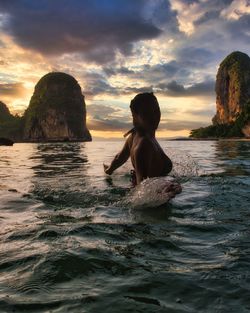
column 4, row 113
column 57, row 110
column 232, row 87
column 10, row 125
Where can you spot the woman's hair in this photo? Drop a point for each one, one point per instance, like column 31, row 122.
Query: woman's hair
column 147, row 106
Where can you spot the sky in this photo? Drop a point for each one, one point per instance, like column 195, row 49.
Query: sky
column 119, row 48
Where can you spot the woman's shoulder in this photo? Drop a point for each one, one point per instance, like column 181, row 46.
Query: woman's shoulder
column 130, row 140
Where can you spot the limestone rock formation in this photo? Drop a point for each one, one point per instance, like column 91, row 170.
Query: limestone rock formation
column 4, row 113
column 232, row 119
column 10, row 125
column 57, row 110
column 232, row 87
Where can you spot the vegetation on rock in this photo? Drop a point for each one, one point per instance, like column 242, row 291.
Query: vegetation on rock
column 234, row 129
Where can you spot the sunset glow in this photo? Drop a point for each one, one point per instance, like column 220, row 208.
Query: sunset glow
column 116, row 49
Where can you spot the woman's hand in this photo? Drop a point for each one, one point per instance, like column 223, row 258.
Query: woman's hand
column 107, row 169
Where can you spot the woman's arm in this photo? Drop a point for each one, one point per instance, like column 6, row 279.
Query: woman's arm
column 119, row 159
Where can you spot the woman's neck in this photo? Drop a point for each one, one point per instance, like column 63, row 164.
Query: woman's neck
column 146, row 132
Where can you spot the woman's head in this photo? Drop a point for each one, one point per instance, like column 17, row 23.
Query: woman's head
column 146, row 111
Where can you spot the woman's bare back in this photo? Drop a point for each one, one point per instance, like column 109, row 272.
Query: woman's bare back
column 147, row 157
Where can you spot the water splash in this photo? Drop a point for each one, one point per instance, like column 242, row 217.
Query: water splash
column 183, row 164
column 153, row 192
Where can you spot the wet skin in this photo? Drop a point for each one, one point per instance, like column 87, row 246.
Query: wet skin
column 147, row 156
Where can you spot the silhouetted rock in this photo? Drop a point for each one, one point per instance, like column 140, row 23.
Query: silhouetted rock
column 57, row 110
column 232, row 87
column 6, row 142
column 10, row 126
column 4, row 113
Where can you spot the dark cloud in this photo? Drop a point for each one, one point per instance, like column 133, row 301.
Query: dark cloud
column 159, row 72
column 135, row 90
column 11, row 89
column 239, row 29
column 93, row 27
column 173, row 89
column 150, row 74
column 97, row 84
column 194, row 57
column 201, row 89
column 110, row 71
column 162, row 15
column 207, row 17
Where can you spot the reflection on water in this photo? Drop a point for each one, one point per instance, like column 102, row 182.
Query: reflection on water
column 233, row 157
column 232, row 149
column 68, row 242
column 57, row 159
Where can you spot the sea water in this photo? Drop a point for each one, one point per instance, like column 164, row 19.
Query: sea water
column 71, row 241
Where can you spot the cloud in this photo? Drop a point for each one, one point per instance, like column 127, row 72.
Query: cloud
column 117, row 125
column 108, row 118
column 207, row 16
column 137, row 46
column 189, row 12
column 239, row 29
column 194, row 57
column 12, row 89
column 96, row 84
column 155, row 78
column 178, row 125
column 236, row 9
column 173, row 89
column 103, row 124
column 208, row 112
column 110, row 71
column 97, row 111
column 95, row 28
column 136, row 90
column 150, row 74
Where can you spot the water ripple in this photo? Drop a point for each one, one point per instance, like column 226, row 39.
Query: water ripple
column 70, row 243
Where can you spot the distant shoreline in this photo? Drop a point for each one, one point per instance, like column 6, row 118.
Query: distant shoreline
column 119, row 139
column 209, row 139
